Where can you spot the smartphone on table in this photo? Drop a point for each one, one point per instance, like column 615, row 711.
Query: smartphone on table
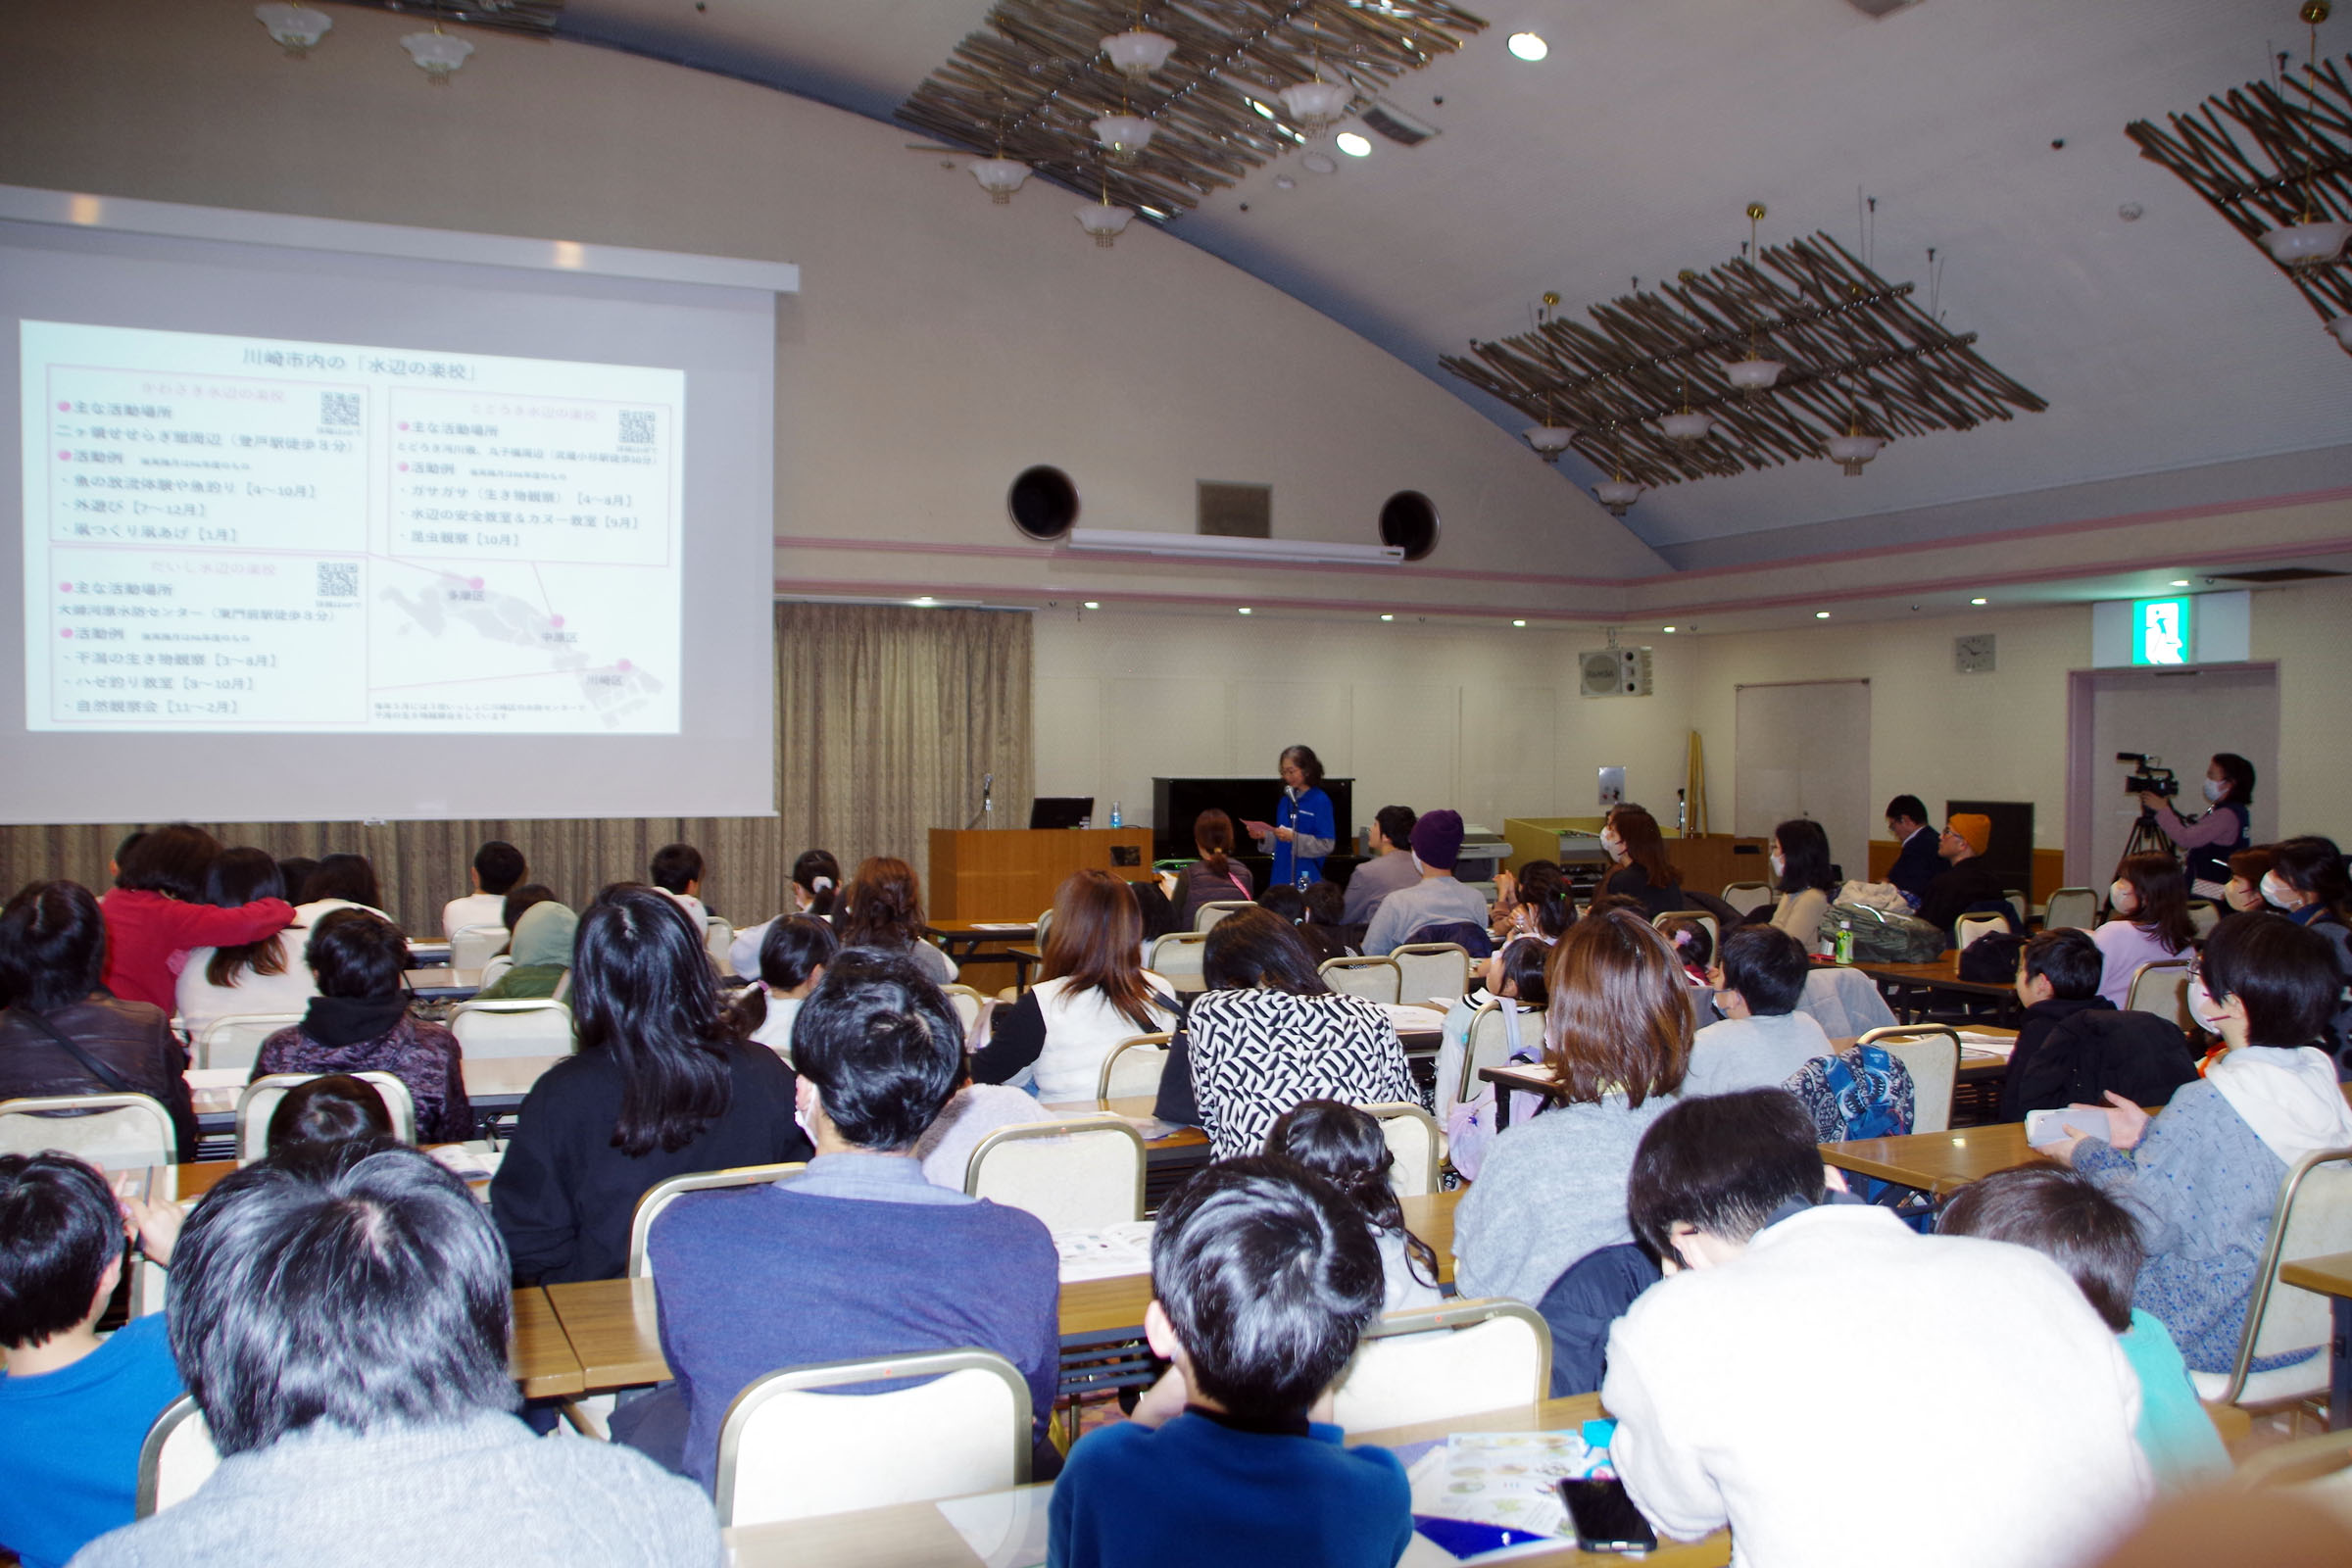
column 1604, row 1517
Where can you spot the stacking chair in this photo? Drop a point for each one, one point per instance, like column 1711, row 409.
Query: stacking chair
column 2077, row 908
column 518, row 1026
column 1439, row 1363
column 2161, row 989
column 662, row 1194
column 1132, row 1069
column 112, row 1132
column 719, row 937
column 788, row 1451
column 1931, row 1053
column 259, row 1103
column 2314, row 1218
column 1713, row 925
column 967, row 1003
column 472, row 946
column 1373, row 979
column 1209, row 915
column 499, row 964
column 1426, row 970
column 1177, row 958
column 1969, row 927
column 1076, row 1173
column 1747, row 896
column 177, row 1459
column 235, row 1040
column 1490, row 1046
column 1412, row 1136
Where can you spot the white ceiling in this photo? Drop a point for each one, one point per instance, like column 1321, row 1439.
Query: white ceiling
column 2166, row 347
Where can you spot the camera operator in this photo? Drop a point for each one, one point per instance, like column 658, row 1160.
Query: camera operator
column 2220, row 833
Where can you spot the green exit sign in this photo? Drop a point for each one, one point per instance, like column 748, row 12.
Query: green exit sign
column 2160, row 630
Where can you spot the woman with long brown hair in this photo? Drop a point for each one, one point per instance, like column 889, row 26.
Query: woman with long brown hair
column 884, row 909
column 1634, row 842
column 1216, row 877
column 1617, row 1041
column 1095, row 994
column 2151, row 923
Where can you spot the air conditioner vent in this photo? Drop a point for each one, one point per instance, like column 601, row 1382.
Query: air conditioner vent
column 1396, row 124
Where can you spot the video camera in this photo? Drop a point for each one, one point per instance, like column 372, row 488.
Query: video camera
column 2151, row 779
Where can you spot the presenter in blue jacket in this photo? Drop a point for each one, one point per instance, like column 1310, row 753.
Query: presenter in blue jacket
column 1302, row 831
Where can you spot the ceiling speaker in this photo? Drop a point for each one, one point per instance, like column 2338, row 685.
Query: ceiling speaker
column 1043, row 503
column 1613, row 673
column 1408, row 521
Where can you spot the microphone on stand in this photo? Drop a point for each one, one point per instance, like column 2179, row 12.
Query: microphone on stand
column 986, row 816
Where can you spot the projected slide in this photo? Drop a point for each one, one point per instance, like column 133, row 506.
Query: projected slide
column 245, row 534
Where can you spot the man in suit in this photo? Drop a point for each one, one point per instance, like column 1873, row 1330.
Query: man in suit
column 1915, row 863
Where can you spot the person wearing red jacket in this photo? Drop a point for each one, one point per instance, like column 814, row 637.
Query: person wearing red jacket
column 152, row 914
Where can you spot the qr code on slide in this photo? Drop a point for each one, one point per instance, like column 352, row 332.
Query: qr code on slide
column 637, row 427
column 339, row 409
column 338, row 580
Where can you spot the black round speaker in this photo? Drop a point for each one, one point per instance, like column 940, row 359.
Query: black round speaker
column 1043, row 503
column 1408, row 520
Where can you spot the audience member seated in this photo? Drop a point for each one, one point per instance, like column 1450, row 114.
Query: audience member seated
column 293, row 870
column 517, row 904
column 339, row 882
column 885, row 912
column 1801, row 876
column 1216, row 877
column 2150, row 922
column 1617, row 1042
column 1390, row 869
column 342, row 1314
column 1694, row 947
column 859, row 1256
column 1095, row 993
column 815, row 876
column 359, row 1022
column 1584, row 1304
column 2073, row 1044
column 2070, row 1221
column 1324, row 924
column 2005, row 1374
column 1919, row 856
column 1965, row 885
column 264, row 976
column 1437, row 899
column 541, row 948
column 337, row 1108
column 61, row 1033
column 1344, row 1146
column 659, row 1087
column 2244, row 893
column 1534, row 903
column 677, row 870
column 1267, row 1034
column 1762, row 1041
column 1289, row 903
column 1631, row 839
column 155, row 912
column 2202, row 1177
column 793, row 955
column 498, row 868
column 1514, row 977
column 2307, row 882
column 1264, row 1279
column 74, row 1408
column 971, row 1113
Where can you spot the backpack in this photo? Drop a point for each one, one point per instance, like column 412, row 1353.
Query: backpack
column 1863, row 1092
column 1881, row 936
column 1992, row 957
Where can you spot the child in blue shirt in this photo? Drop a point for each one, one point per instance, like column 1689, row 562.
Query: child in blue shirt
column 1264, row 1278
column 74, row 1408
column 2074, row 1222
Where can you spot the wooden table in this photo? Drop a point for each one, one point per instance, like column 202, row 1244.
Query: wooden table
column 443, row 984
column 917, row 1535
column 1938, row 1164
column 1938, row 977
column 2331, row 1277
column 537, row 1351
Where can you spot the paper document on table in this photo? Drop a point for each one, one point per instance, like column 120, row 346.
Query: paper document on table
column 1003, row 925
column 1983, row 1045
column 1413, row 1015
column 472, row 1165
column 1504, row 1478
column 1004, row 1529
column 1106, row 1254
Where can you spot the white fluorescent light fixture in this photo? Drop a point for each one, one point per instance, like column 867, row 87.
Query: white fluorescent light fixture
column 1352, row 145
column 1387, row 617
column 1976, row 601
column 1529, row 46
column 1093, row 604
column 1518, row 623
column 1821, row 614
column 1222, row 547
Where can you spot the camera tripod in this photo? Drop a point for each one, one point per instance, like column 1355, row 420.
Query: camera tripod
column 2146, row 839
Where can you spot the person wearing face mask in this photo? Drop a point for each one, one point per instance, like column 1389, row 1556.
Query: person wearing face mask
column 1632, row 840
column 2243, row 895
column 2151, row 924
column 2211, row 839
column 2203, row 1176
column 1801, row 876
column 2307, row 882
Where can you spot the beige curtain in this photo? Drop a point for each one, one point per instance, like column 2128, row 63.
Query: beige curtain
column 887, row 718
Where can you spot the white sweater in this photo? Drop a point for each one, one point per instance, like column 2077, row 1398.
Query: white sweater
column 1081, row 1027
column 288, row 991
column 1824, row 1392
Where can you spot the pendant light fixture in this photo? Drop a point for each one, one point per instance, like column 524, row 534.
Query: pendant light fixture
column 436, row 53
column 1139, row 52
column 295, row 28
column 1853, row 449
column 999, row 175
column 2310, row 241
column 1103, row 221
column 1315, row 104
column 1550, row 438
column 1755, row 373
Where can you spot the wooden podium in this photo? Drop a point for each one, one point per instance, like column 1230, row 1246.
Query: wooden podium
column 1013, row 873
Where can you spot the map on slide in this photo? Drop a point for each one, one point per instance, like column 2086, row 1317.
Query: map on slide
column 245, row 534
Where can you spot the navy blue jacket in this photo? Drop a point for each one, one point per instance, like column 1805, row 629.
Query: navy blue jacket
column 1916, row 864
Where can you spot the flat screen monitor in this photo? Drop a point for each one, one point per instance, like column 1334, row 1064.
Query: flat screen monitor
column 1061, row 810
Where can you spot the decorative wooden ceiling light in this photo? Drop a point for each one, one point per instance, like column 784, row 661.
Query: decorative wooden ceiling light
column 1032, row 83
column 2275, row 158
column 1858, row 362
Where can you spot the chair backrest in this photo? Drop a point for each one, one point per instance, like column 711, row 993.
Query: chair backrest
column 967, row 1002
column 719, row 937
column 788, row 1451
column 177, row 1459
column 2077, row 908
column 498, row 964
column 1209, row 915
column 235, row 1039
column 1429, row 969
column 1439, row 1363
column 1489, row 1045
column 1132, row 1069
column 1930, row 1054
column 1969, row 927
column 2161, row 989
column 112, row 1132
column 1412, row 1136
column 259, row 1103
column 1713, row 925
column 1076, row 1173
column 1177, row 958
column 2204, row 914
column 472, row 946
column 662, row 1195
column 2314, row 1218
column 983, row 1022
column 522, row 1026
column 1373, row 979
column 1747, row 896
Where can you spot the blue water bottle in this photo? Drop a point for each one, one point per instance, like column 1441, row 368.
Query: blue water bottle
column 1114, row 816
